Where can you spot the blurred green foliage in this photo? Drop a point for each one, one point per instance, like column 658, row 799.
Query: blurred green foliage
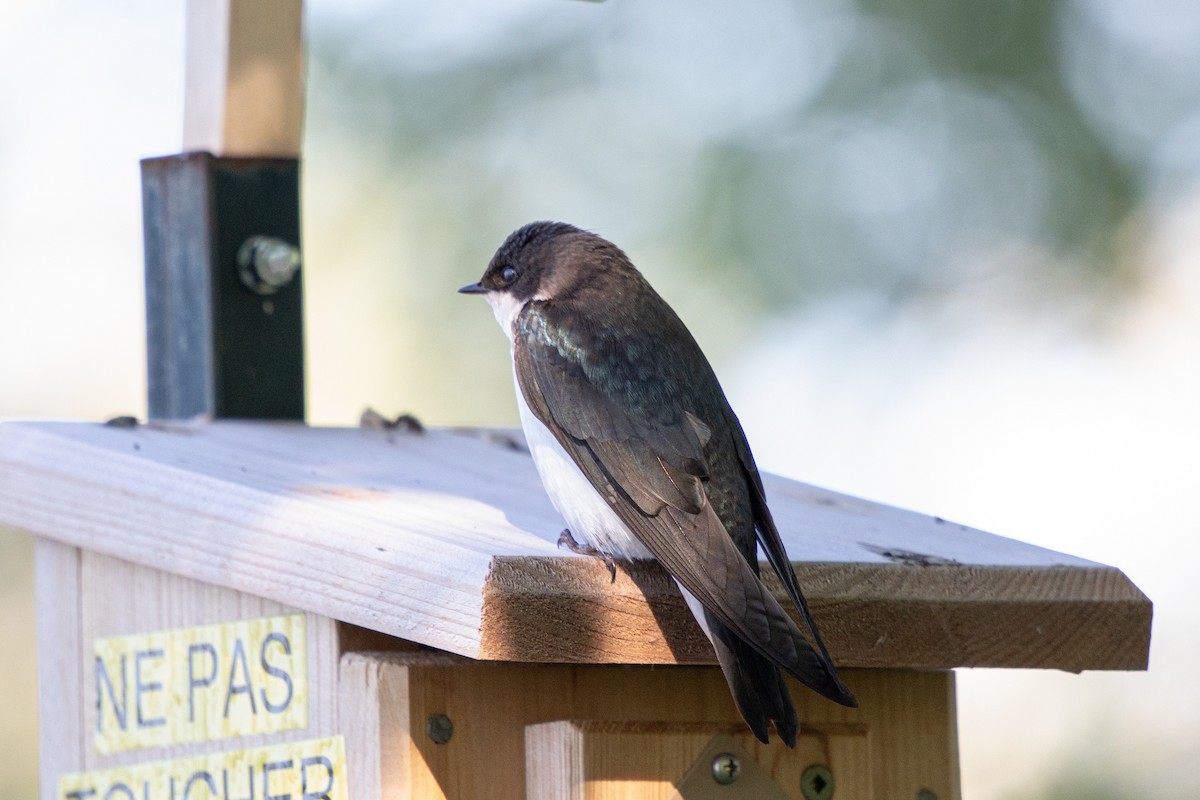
column 755, row 162
column 788, row 150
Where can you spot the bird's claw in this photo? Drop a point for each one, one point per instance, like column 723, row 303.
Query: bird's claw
column 565, row 539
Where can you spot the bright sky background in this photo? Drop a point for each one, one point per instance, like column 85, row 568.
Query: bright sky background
column 987, row 407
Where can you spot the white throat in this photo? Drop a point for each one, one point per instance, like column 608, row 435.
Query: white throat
column 506, row 308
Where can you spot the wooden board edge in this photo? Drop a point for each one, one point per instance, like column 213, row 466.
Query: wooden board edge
column 883, row 615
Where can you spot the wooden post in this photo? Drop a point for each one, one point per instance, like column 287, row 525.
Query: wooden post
column 222, row 222
column 244, row 78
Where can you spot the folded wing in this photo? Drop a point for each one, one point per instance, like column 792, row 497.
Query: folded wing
column 657, row 460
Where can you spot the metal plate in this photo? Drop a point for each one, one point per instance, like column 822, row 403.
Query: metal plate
column 753, row 782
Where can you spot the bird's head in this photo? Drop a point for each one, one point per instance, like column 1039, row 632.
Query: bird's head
column 547, row 261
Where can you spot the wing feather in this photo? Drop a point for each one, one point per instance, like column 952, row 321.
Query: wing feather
column 772, row 545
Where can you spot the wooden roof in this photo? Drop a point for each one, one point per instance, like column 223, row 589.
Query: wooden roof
column 446, row 538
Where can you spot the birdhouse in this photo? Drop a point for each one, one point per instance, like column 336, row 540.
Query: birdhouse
column 274, row 610
column 242, row 606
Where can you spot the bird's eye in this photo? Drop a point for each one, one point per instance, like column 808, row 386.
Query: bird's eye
column 508, row 275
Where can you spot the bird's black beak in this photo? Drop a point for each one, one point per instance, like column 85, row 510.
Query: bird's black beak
column 473, row 288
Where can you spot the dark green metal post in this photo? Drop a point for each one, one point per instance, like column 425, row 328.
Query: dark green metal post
column 224, row 311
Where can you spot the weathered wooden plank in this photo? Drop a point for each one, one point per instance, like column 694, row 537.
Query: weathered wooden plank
column 448, row 540
column 310, row 518
column 244, row 77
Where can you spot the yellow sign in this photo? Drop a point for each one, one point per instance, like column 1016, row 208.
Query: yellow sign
column 199, row 684
column 308, row 770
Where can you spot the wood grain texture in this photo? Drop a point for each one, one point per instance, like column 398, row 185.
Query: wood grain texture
column 871, row 615
column 447, row 539
column 901, row 739
column 588, row 760
column 244, row 77
column 373, row 709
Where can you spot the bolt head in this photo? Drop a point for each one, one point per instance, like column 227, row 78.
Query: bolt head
column 439, row 728
column 267, row 264
column 726, row 768
column 816, row 782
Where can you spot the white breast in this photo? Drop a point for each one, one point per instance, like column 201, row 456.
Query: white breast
column 589, row 515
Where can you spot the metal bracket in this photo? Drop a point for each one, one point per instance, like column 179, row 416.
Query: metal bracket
column 714, row 776
column 224, row 334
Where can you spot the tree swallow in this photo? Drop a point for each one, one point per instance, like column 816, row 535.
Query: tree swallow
column 640, row 452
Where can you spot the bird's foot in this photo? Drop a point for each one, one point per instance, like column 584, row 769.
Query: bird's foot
column 565, row 539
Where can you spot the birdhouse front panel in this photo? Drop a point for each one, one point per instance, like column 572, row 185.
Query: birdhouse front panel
column 163, row 686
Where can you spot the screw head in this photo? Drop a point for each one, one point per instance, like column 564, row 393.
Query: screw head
column 267, row 264
column 927, row 794
column 726, row 768
column 439, row 728
column 816, row 782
